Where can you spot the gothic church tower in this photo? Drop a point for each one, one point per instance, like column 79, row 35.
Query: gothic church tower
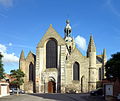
column 70, row 44
column 27, row 65
column 91, row 53
column 22, row 65
column 103, row 63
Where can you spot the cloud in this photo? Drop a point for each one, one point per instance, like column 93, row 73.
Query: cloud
column 10, row 44
column 2, row 48
column 6, row 3
column 10, row 58
column 7, row 57
column 113, row 9
column 81, row 42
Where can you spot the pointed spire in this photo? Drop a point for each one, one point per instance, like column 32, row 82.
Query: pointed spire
column 104, row 53
column 22, row 57
column 29, row 55
column 91, row 46
column 50, row 25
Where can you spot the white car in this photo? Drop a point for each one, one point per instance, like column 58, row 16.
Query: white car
column 10, row 91
column 118, row 97
column 15, row 90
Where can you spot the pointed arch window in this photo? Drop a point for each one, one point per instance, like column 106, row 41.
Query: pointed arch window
column 99, row 74
column 76, row 69
column 51, row 54
column 31, row 72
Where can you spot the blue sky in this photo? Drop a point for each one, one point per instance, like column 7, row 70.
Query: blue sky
column 24, row 22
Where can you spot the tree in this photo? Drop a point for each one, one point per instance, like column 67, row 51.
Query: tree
column 18, row 75
column 1, row 68
column 112, row 66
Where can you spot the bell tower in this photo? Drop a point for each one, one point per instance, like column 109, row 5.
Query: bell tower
column 68, row 39
column 104, row 57
column 91, row 54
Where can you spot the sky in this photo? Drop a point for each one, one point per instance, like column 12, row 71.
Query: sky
column 24, row 22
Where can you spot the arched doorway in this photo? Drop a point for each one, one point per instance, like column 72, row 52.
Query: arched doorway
column 51, row 87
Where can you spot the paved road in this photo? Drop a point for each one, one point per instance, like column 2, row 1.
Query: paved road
column 52, row 97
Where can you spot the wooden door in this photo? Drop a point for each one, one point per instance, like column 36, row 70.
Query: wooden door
column 51, row 87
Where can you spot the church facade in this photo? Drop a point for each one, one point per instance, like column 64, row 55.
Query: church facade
column 59, row 67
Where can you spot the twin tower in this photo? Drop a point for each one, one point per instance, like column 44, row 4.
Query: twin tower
column 59, row 67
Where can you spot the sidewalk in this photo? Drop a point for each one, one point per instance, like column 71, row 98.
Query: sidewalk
column 110, row 98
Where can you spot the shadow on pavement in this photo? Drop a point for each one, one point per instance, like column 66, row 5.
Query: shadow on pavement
column 70, row 97
column 93, row 98
column 58, row 97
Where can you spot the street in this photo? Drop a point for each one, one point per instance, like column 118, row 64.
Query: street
column 52, row 97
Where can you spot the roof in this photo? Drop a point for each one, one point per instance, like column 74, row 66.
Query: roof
column 91, row 46
column 99, row 59
column 51, row 33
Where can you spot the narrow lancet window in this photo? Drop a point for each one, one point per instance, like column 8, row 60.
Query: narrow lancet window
column 76, row 71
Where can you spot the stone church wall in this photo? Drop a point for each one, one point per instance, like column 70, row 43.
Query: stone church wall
column 84, row 64
column 62, row 76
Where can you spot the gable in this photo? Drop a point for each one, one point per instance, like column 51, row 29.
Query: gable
column 30, row 57
column 76, row 55
column 76, row 51
column 51, row 33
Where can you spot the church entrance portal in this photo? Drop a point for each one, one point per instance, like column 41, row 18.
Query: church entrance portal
column 51, row 87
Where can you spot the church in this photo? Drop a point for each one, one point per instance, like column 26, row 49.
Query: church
column 59, row 67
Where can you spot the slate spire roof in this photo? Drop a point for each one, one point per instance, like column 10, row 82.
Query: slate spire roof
column 22, row 56
column 91, row 46
column 104, row 53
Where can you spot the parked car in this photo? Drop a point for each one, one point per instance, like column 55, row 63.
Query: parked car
column 118, row 97
column 71, row 91
column 15, row 90
column 21, row 91
column 96, row 92
column 10, row 91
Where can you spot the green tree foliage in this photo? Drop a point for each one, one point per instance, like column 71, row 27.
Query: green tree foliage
column 1, row 68
column 18, row 75
column 113, row 66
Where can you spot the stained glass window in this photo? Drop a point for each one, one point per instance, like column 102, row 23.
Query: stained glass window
column 51, row 54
